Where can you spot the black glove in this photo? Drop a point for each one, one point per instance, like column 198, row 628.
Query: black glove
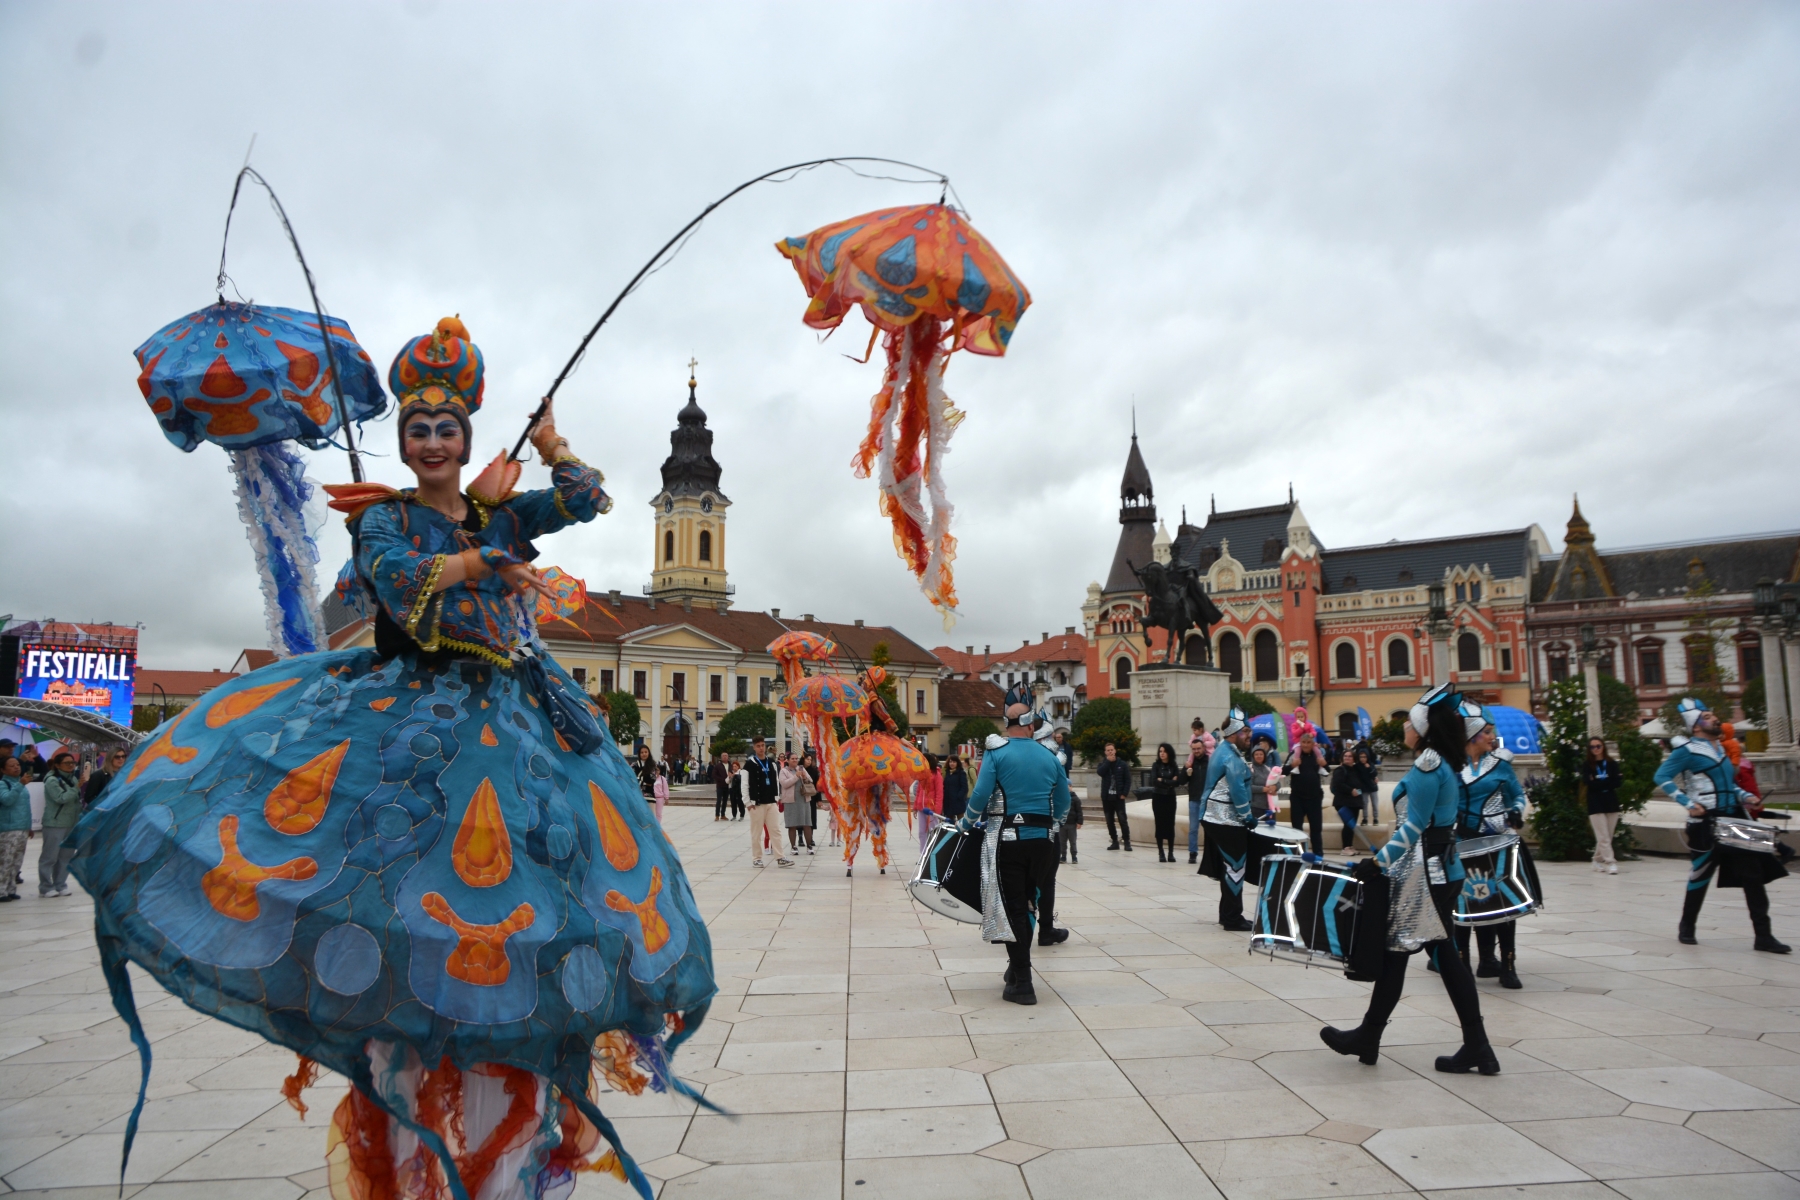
column 1516, row 820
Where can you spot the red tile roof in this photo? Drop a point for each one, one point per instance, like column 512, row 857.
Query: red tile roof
column 1063, row 647
column 959, row 698
column 747, row 629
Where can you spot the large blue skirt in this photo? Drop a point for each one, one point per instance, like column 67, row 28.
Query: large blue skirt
column 335, row 849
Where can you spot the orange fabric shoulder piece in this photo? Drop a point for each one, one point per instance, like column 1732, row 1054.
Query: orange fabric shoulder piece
column 352, row 498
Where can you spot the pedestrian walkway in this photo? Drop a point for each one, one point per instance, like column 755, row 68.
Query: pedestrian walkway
column 865, row 1050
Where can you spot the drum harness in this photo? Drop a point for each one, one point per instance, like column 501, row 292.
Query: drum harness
column 994, row 925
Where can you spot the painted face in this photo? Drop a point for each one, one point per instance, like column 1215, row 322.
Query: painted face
column 1483, row 742
column 433, row 445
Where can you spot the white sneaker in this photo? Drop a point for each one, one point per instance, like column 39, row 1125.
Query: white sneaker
column 1612, row 868
column 756, row 862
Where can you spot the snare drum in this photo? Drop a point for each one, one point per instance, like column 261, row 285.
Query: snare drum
column 1306, row 911
column 948, row 881
column 1730, row 833
column 1272, row 841
column 1496, row 884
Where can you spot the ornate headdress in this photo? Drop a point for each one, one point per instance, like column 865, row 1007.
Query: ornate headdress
column 1420, row 714
column 441, row 371
column 1691, row 708
column 1235, row 722
column 1475, row 718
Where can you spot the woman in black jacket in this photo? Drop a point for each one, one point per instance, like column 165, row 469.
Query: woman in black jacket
column 1165, row 776
column 956, row 789
column 1371, row 784
column 1601, row 777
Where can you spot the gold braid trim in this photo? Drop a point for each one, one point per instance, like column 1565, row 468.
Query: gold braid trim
column 560, row 459
column 476, row 649
column 427, row 595
column 556, row 496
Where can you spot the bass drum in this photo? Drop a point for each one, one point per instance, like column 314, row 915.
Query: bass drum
column 1498, row 882
column 948, row 881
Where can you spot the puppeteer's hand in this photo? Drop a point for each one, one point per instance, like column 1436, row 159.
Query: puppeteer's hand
column 521, row 578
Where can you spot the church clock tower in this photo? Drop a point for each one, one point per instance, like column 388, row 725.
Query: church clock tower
column 689, row 562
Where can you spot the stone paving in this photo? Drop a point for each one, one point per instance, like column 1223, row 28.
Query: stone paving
column 863, row 1047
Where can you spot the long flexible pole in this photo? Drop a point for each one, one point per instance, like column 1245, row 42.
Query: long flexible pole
column 936, row 176
column 312, row 289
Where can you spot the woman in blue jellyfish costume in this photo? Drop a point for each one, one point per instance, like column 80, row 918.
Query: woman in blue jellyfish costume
column 427, row 865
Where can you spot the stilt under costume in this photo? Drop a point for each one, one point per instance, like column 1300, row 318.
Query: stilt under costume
column 1422, row 849
column 1228, row 820
column 1493, row 802
column 1697, row 773
column 426, row 866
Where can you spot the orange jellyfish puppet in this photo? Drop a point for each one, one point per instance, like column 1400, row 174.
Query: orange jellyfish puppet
column 930, row 285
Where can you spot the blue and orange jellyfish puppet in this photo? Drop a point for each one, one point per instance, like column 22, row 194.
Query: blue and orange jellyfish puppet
column 930, row 285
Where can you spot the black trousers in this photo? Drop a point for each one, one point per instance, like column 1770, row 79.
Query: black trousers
column 1067, row 850
column 737, row 806
column 1114, row 807
column 1505, row 934
column 1305, row 811
column 721, row 799
column 1458, row 982
column 1027, row 870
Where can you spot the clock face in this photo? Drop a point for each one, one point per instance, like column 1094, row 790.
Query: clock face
column 669, row 505
column 706, row 504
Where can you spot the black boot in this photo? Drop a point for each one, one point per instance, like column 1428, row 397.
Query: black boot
column 1488, row 968
column 1192, row 858
column 1020, row 992
column 1365, row 1045
column 1237, row 925
column 1048, row 936
column 1509, row 976
column 1128, row 844
column 1470, row 1058
column 1690, row 911
column 1758, row 901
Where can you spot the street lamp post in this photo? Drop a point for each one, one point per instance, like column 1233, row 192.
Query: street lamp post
column 1774, row 638
column 1590, row 674
column 1300, row 671
column 165, row 701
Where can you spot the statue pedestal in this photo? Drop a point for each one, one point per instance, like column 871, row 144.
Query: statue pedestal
column 1165, row 699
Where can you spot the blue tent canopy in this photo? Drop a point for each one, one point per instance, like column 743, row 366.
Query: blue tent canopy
column 1518, row 730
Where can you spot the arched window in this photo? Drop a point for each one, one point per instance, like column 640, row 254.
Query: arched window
column 1399, row 657
column 668, row 545
column 1468, row 653
column 1231, row 656
column 705, row 545
column 1346, row 660
column 1122, row 675
column 1268, row 656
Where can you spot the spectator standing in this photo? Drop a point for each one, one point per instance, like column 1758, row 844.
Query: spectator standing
column 797, row 796
column 96, row 783
column 956, row 788
column 928, row 800
column 1601, row 776
column 31, row 767
column 659, row 791
column 15, row 825
column 1115, row 786
column 1165, row 776
column 62, row 808
column 1065, row 754
column 1071, row 827
column 1347, row 796
column 721, row 779
column 1200, row 748
column 645, row 769
column 1264, row 780
column 1306, row 789
column 763, row 782
column 1370, row 775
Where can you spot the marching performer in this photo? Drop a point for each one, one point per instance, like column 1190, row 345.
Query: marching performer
column 1492, row 802
column 1698, row 774
column 1024, row 795
column 1228, row 820
column 1435, row 730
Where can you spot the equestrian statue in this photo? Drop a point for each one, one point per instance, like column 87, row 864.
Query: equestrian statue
column 1178, row 603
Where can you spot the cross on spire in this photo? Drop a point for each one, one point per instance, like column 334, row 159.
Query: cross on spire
column 692, row 363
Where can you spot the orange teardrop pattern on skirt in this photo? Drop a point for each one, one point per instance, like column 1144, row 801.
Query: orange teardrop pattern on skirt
column 383, row 704
column 620, row 847
column 240, row 704
column 656, row 930
column 482, row 853
column 163, row 747
column 480, row 954
column 297, row 804
column 230, row 887
column 487, row 736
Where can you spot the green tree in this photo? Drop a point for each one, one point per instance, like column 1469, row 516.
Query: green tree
column 745, row 723
column 621, row 716
column 1252, row 704
column 1755, row 700
column 1111, row 711
column 1559, row 807
column 881, row 656
column 1388, row 736
column 146, row 717
column 730, row 745
column 972, row 729
column 1090, row 743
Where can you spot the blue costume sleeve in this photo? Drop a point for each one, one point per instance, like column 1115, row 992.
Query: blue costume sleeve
column 403, row 570
column 575, row 496
column 1668, row 776
column 1510, row 787
column 1421, row 790
column 1059, row 798
column 1239, row 772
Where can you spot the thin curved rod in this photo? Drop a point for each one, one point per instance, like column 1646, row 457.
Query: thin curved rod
column 312, row 289
column 659, row 257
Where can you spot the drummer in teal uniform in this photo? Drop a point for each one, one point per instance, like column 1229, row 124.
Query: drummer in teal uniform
column 1699, row 775
column 1228, row 820
column 1492, row 803
column 1432, row 792
column 1023, row 784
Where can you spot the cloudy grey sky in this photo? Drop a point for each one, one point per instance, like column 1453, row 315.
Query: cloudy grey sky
column 1439, row 265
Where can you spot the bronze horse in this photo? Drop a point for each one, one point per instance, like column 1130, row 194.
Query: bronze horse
column 1177, row 604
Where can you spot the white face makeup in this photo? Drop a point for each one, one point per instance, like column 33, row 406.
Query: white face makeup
column 434, row 446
